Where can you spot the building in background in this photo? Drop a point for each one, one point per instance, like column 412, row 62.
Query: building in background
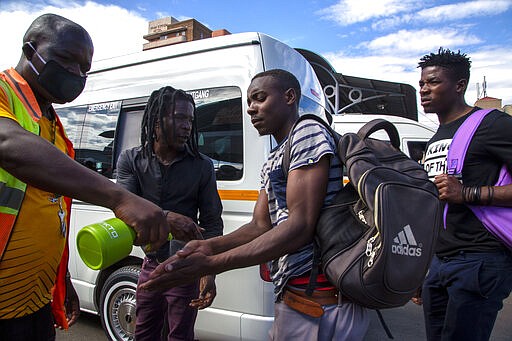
column 169, row 31
column 493, row 103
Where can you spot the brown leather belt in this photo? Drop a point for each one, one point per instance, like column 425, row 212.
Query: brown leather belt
column 309, row 305
column 322, row 297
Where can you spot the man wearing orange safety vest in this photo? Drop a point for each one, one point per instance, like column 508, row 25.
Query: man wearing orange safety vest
column 38, row 177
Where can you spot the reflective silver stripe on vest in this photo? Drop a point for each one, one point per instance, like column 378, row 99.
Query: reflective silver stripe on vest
column 10, row 197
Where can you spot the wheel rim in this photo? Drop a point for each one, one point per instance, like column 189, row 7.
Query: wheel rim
column 120, row 311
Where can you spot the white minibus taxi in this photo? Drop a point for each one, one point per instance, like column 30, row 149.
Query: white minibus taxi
column 105, row 119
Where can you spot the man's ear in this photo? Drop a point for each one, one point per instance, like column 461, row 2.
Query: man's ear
column 462, row 85
column 28, row 50
column 291, row 96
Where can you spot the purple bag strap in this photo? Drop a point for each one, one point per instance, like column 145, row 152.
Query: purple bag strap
column 461, row 141
column 459, row 146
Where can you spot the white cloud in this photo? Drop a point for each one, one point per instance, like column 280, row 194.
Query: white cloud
column 497, row 72
column 347, row 12
column 114, row 30
column 160, row 14
column 386, row 14
column 462, row 10
column 414, row 41
column 391, row 22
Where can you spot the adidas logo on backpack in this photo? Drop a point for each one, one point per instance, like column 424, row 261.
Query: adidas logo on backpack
column 405, row 243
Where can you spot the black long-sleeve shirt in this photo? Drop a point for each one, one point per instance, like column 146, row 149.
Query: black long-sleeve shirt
column 187, row 186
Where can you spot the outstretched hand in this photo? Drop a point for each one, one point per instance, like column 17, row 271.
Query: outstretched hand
column 188, row 264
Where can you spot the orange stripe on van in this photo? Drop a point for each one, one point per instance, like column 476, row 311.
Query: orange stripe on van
column 247, row 195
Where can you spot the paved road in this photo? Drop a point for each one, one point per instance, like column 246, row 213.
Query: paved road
column 406, row 323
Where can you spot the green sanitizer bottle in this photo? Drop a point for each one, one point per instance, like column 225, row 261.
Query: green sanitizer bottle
column 105, row 243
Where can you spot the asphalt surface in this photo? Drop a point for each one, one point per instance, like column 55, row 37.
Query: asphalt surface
column 405, row 323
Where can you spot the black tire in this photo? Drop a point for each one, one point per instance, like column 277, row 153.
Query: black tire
column 117, row 303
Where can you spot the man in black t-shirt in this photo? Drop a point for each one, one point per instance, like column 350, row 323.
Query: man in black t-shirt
column 471, row 273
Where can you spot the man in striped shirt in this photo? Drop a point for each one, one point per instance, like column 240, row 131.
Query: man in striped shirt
column 283, row 223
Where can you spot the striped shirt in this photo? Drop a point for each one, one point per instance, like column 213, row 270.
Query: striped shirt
column 310, row 141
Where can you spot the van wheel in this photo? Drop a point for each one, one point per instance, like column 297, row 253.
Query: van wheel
column 117, row 303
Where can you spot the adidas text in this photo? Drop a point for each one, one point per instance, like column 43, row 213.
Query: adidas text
column 406, row 250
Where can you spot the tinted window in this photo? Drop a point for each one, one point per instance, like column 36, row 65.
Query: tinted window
column 73, row 120
column 128, row 129
column 416, row 150
column 92, row 131
column 219, row 123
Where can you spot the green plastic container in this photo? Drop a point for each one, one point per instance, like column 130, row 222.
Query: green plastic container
column 105, row 243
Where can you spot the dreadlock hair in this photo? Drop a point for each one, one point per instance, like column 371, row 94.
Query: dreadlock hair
column 285, row 80
column 160, row 102
column 458, row 64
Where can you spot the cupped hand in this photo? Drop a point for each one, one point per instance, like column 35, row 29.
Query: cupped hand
column 188, row 264
column 207, row 293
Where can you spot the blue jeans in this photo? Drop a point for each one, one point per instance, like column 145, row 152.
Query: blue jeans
column 462, row 295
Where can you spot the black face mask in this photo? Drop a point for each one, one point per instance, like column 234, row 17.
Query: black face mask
column 63, row 85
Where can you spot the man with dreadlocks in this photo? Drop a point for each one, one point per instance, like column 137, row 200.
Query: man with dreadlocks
column 471, row 273
column 168, row 170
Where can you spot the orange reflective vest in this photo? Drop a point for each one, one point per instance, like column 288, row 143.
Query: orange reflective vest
column 26, row 110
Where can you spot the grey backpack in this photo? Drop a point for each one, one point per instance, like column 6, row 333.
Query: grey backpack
column 375, row 240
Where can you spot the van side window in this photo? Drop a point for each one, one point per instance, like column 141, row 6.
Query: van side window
column 416, row 150
column 219, row 125
column 73, row 119
column 128, row 129
column 92, row 131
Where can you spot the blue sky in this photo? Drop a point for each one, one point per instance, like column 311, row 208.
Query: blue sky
column 381, row 39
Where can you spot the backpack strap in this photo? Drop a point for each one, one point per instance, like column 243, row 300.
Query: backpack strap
column 285, row 166
column 380, row 124
column 314, row 269
column 461, row 140
column 287, row 148
column 459, row 146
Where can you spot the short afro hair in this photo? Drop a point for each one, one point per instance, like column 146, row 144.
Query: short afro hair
column 458, row 64
column 285, row 80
